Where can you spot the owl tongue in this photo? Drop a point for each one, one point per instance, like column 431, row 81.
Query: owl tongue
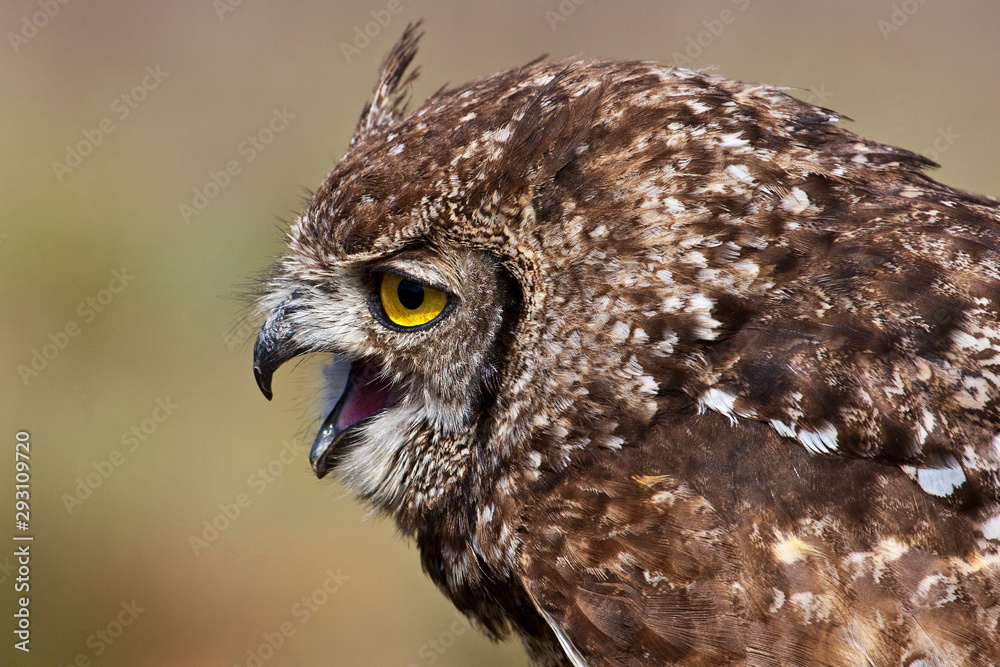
column 365, row 394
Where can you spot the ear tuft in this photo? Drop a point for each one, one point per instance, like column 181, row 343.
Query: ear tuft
column 390, row 94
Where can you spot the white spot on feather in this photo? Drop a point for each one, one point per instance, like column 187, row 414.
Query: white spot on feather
column 790, row 549
column 620, row 331
column 499, row 135
column 796, row 201
column 698, row 107
column 653, row 579
column 782, row 428
column 779, row 600
column 673, row 205
column 966, row 341
column 696, row 258
column 977, row 393
column 991, row 528
column 666, row 346
column 733, row 140
column 926, row 427
column 936, row 589
column 813, row 607
column 699, row 302
column 598, row 231
column 739, row 173
column 941, row 481
column 647, row 385
column 972, row 461
column 720, row 401
column 701, row 306
column 610, row 441
column 534, row 459
column 823, row 441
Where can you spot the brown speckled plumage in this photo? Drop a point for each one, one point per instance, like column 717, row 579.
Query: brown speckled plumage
column 718, row 382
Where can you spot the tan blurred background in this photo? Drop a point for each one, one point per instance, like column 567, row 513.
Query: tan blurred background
column 146, row 426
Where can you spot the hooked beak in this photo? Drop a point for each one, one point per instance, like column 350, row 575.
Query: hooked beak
column 276, row 344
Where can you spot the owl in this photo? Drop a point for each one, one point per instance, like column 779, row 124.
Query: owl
column 659, row 368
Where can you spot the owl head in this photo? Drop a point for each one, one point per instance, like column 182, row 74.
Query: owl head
column 420, row 263
column 422, row 317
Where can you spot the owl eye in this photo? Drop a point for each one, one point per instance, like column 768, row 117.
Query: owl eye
column 407, row 303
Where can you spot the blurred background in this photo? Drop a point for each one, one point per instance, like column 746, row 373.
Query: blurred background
column 150, row 152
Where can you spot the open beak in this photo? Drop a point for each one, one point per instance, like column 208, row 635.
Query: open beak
column 366, row 393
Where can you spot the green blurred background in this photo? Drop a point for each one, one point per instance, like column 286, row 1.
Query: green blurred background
column 925, row 78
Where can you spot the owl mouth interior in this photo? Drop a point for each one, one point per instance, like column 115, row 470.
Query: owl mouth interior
column 366, row 394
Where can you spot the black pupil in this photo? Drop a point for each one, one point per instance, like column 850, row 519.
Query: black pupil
column 410, row 294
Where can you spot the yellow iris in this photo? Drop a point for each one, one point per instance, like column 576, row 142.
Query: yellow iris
column 410, row 304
